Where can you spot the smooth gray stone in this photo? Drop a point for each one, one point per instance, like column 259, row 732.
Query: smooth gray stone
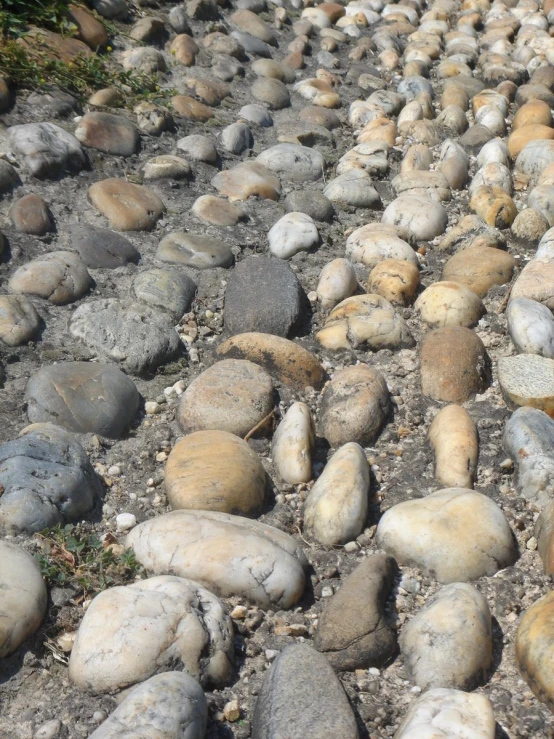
column 535, row 157
column 256, row 6
column 271, row 92
column 545, row 249
column 311, row 202
column 111, row 9
column 167, row 290
column 46, row 149
column 529, row 440
column 301, row 698
column 293, row 162
column 411, row 86
column 86, row 397
column 100, row 248
column 531, row 327
column 391, row 102
column 55, row 104
column 178, row 20
column 193, row 250
column 353, row 188
column 475, row 138
column 254, row 113
column 47, row 479
column 252, row 45
column 236, row 138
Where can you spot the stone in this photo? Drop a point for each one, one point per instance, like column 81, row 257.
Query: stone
column 293, row 442
column 377, row 242
column 520, row 137
column 292, row 233
column 100, row 248
column 232, row 395
column 336, row 508
column 138, row 337
column 421, row 217
column 541, row 199
column 202, row 10
column 167, row 290
column 319, row 116
column 444, row 712
column 293, row 162
column 112, row 134
column 454, row 364
column 127, row 206
column 47, row 480
column 534, row 648
column 31, row 215
column 301, row 698
column 107, row 96
column 185, row 49
column 217, row 211
column 215, row 471
column 535, row 157
column 210, row 92
column 199, row 148
column 258, row 114
column 529, row 225
column 449, row 304
column 448, row 643
column 153, row 119
column 151, row 29
column 337, row 281
column 248, row 179
column 285, row 361
column 433, row 185
column 533, row 112
column 453, row 535
column 5, row 97
column 479, row 268
column 237, row 138
column 355, row 188
column 84, row 397
column 263, row 295
column 271, row 92
column 535, row 281
column 471, row 231
column 130, row 632
column 544, row 530
column 165, row 706
column 395, row 280
column 60, row 277
column 455, row 443
column 531, row 327
column 47, row 150
column 19, row 320
column 8, row 176
column 494, row 206
column 355, row 406
column 193, row 250
column 230, row 555
column 145, row 60
column 111, row 9
column 248, row 22
column 528, row 439
column 191, row 109
column 475, row 138
column 24, row 597
column 252, row 45
column 527, row 380
column 311, row 202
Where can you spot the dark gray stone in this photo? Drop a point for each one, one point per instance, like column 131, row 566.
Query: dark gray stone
column 53, row 104
column 254, row 113
column 86, row 397
column 168, row 290
column 312, row 202
column 301, row 698
column 202, row 10
column 193, row 250
column 47, row 479
column 264, row 295
column 100, row 248
column 475, row 138
column 178, row 20
column 252, row 45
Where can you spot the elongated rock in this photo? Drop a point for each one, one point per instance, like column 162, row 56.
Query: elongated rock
column 337, row 281
column 535, row 648
column 531, row 327
column 453, row 437
column 293, row 443
column 443, row 712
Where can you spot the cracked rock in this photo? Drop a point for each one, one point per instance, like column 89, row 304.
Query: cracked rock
column 47, row 150
column 59, row 276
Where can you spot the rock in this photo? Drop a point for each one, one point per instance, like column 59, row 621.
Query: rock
column 494, row 206
column 217, row 211
column 233, row 395
column 83, row 397
column 453, row 535
column 252, row 45
column 527, row 380
column 271, row 92
column 164, row 706
column 111, row 9
column 335, row 511
column 292, row 233
column 246, row 180
column 263, row 295
column 433, row 185
column 210, row 92
column 31, row 215
column 479, row 268
column 128, row 207
column 200, row 148
column 421, row 217
column 137, row 336
column 153, row 119
column 301, row 698
column 355, row 188
column 449, row 304
column 533, row 112
column 535, row 282
column 100, row 248
column 293, row 162
column 355, row 405
column 47, row 150
column 130, row 632
column 152, row 29
column 185, row 49
column 215, row 471
column 544, row 531
column 529, row 225
column 448, row 643
column 112, row 134
column 237, row 138
column 191, row 109
column 534, row 648
column 168, row 167
column 312, row 203
column 47, row 480
column 337, row 281
column 519, row 138
column 475, row 138
column 471, row 231
column 395, row 280
column 19, row 321
column 248, row 22
column 167, row 290
column 284, row 360
column 529, row 439
column 449, row 713
column 228, row 554
column 145, row 60
column 23, row 599
column 455, row 443
column 535, row 157
column 193, row 250
column 376, row 242
column 8, row 176
column 202, row 10
column 58, row 276
column 531, row 327
column 5, row 97
column 257, row 114
column 292, row 445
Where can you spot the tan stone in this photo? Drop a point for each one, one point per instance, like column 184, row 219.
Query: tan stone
column 58, row 276
column 128, row 207
column 454, row 440
column 418, row 158
column 249, row 22
column 379, row 129
column 185, row 49
column 479, row 268
column 395, row 280
column 108, row 97
column 532, row 113
column 217, row 211
column 333, row 10
column 535, row 648
column 536, row 281
column 494, row 206
column 544, row 533
column 248, row 179
column 449, row 304
column 187, row 107
column 293, row 443
column 453, row 94
column 90, row 30
column 527, row 380
column 210, row 92
column 39, row 42
column 520, row 137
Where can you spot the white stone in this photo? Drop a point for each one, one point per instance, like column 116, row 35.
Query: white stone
column 531, row 327
column 337, row 281
column 47, row 150
column 292, row 446
column 422, row 217
column 125, row 521
column 354, row 188
column 376, row 242
column 292, row 233
column 293, row 162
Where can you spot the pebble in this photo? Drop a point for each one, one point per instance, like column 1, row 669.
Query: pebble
column 217, row 211
column 535, row 281
column 312, row 203
column 531, row 327
column 534, row 648
column 248, row 179
column 258, row 114
column 293, row 162
column 395, row 280
column 60, row 277
column 166, row 166
column 100, row 248
column 194, row 250
column 199, row 148
column 127, row 206
column 423, row 218
column 527, row 380
column 355, row 188
column 31, row 215
column 443, row 712
column 449, row 304
column 167, row 290
column 292, row 233
column 112, row 134
column 544, row 539
column 377, row 242
column 125, row 521
column 337, row 281
column 47, row 150
column 19, row 320
column 293, row 444
column 454, row 439
column 479, row 268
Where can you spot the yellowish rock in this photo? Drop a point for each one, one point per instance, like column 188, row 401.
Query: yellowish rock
column 449, row 304
column 520, row 137
column 395, row 280
column 494, row 206
column 535, row 648
column 454, row 440
column 128, row 207
column 292, row 446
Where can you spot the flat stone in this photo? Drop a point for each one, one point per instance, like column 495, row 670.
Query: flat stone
column 293, row 162
column 199, row 148
column 31, row 215
column 284, row 360
column 449, row 304
column 60, row 277
column 535, row 650
column 422, row 217
column 252, row 45
column 449, row 713
column 292, row 233
column 232, row 395
column 168, row 290
column 355, row 188
column 19, row 320
column 395, row 280
column 249, row 22
column 271, row 92
column 138, row 337
column 479, row 268
column 263, row 295
column 527, row 380
column 112, row 134
column 24, row 597
column 355, row 406
column 531, row 327
column 455, row 442
column 100, row 248
column 165, row 706
column 301, row 698
column 191, row 109
column 128, row 207
column 535, row 282
column 47, row 480
column 194, row 250
column 248, row 179
column 433, row 185
column 453, row 535
column 47, row 150
column 215, row 471
column 210, row 92
column 376, row 242
column 320, row 116
column 217, row 211
column 83, row 397
column 312, row 203
column 230, row 555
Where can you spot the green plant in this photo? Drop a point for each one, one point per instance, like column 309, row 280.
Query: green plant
column 17, row 15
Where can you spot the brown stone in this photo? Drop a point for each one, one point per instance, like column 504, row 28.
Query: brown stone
column 185, row 49
column 395, row 280
column 494, row 205
column 479, row 268
column 112, row 134
column 31, row 215
column 217, row 211
column 38, row 42
column 210, row 92
column 248, row 179
column 333, row 10
column 189, row 108
column 533, row 112
column 128, row 207
column 249, row 22
column 519, row 139
column 90, row 30
column 544, row 533
column 535, row 648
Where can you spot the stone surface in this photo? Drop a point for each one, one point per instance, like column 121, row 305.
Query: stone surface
column 127, row 206
column 168, row 290
column 248, row 179
column 422, row 217
column 376, row 242
column 194, row 250
column 395, row 280
column 112, row 134
column 531, row 327
column 100, row 248
column 355, row 188
column 449, row 304
column 534, row 648
column 292, row 233
column 527, row 380
column 199, row 148
column 60, row 277
column 337, row 282
column 535, row 281
column 47, row 150
column 31, row 215
column 258, row 562
column 292, row 446
column 217, row 211
column 479, row 268
column 544, row 534
column 312, row 203
column 444, row 713
column 455, row 443
column 166, row 166
column 293, row 162
column 19, row 320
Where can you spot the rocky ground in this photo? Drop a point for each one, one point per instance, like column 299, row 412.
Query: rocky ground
column 282, row 329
